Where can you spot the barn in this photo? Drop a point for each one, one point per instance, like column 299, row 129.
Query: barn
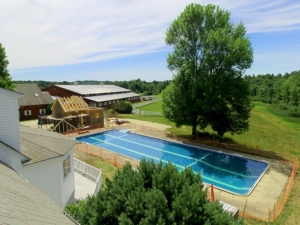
column 34, row 102
column 103, row 96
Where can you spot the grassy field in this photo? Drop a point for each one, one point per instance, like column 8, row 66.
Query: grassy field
column 279, row 114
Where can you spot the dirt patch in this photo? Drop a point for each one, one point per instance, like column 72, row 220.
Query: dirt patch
column 147, row 123
column 113, row 114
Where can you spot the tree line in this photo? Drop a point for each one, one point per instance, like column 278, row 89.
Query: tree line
column 137, row 86
column 280, row 90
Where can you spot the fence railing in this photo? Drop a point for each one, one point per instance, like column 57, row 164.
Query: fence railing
column 148, row 113
column 135, row 112
column 143, row 104
column 89, row 171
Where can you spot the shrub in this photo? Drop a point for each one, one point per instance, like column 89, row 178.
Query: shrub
column 48, row 109
column 122, row 107
column 156, row 194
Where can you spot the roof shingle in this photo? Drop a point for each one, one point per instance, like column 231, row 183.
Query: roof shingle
column 39, row 144
column 30, row 98
column 23, row 203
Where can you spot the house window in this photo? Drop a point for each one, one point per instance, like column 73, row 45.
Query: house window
column 100, row 104
column 27, row 112
column 42, row 111
column 118, row 100
column 105, row 103
column 114, row 101
column 66, row 166
column 92, row 104
column 109, row 102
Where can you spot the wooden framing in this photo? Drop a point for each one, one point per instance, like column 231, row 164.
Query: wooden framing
column 74, row 103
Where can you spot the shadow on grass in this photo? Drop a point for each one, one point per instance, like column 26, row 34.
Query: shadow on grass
column 207, row 136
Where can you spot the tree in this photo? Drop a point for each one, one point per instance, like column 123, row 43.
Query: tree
column 210, row 56
column 5, row 78
column 122, row 107
column 156, row 194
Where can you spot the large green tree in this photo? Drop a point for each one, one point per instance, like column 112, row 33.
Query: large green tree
column 5, row 78
column 210, row 56
column 155, row 194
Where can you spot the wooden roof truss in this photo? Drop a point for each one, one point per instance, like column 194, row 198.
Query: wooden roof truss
column 74, row 103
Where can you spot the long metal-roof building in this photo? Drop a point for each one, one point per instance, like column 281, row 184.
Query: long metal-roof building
column 103, row 96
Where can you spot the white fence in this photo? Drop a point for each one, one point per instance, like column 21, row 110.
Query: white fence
column 148, row 113
column 142, row 104
column 135, row 112
column 89, row 171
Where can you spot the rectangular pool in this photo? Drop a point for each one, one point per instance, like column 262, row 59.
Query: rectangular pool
column 231, row 173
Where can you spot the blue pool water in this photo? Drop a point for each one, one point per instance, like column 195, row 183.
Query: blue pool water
column 229, row 172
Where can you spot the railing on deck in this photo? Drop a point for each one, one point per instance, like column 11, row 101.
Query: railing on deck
column 89, row 171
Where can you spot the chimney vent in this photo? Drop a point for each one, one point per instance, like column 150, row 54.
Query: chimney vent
column 75, row 83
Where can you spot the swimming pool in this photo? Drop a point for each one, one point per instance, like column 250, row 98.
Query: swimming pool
column 231, row 173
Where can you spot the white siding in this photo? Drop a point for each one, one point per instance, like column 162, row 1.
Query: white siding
column 9, row 122
column 45, row 176
column 68, row 184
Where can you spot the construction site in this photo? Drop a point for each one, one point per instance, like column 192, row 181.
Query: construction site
column 72, row 113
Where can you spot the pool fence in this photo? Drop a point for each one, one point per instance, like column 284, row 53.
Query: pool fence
column 247, row 208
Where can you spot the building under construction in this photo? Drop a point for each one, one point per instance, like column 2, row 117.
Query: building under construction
column 73, row 113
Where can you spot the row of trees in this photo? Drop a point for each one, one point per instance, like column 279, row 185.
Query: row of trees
column 137, row 86
column 280, row 90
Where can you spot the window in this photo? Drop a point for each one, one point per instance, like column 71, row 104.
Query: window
column 114, row 101
column 109, row 102
column 100, row 104
column 105, row 103
column 118, row 100
column 27, row 112
column 92, row 104
column 66, row 166
column 42, row 111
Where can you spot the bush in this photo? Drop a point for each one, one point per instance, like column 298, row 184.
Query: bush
column 48, row 109
column 156, row 194
column 122, row 107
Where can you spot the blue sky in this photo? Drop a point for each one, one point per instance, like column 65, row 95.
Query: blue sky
column 123, row 40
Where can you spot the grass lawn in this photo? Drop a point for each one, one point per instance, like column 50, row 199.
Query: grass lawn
column 108, row 169
column 279, row 114
column 153, row 107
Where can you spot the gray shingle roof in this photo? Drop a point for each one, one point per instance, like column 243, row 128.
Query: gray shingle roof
column 39, row 144
column 93, row 89
column 23, row 203
column 102, row 98
column 29, row 91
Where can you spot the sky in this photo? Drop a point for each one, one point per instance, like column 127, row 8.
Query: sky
column 68, row 40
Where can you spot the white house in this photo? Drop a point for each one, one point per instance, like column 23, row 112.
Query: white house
column 43, row 158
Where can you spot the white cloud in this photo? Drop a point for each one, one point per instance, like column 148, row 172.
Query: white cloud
column 39, row 33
